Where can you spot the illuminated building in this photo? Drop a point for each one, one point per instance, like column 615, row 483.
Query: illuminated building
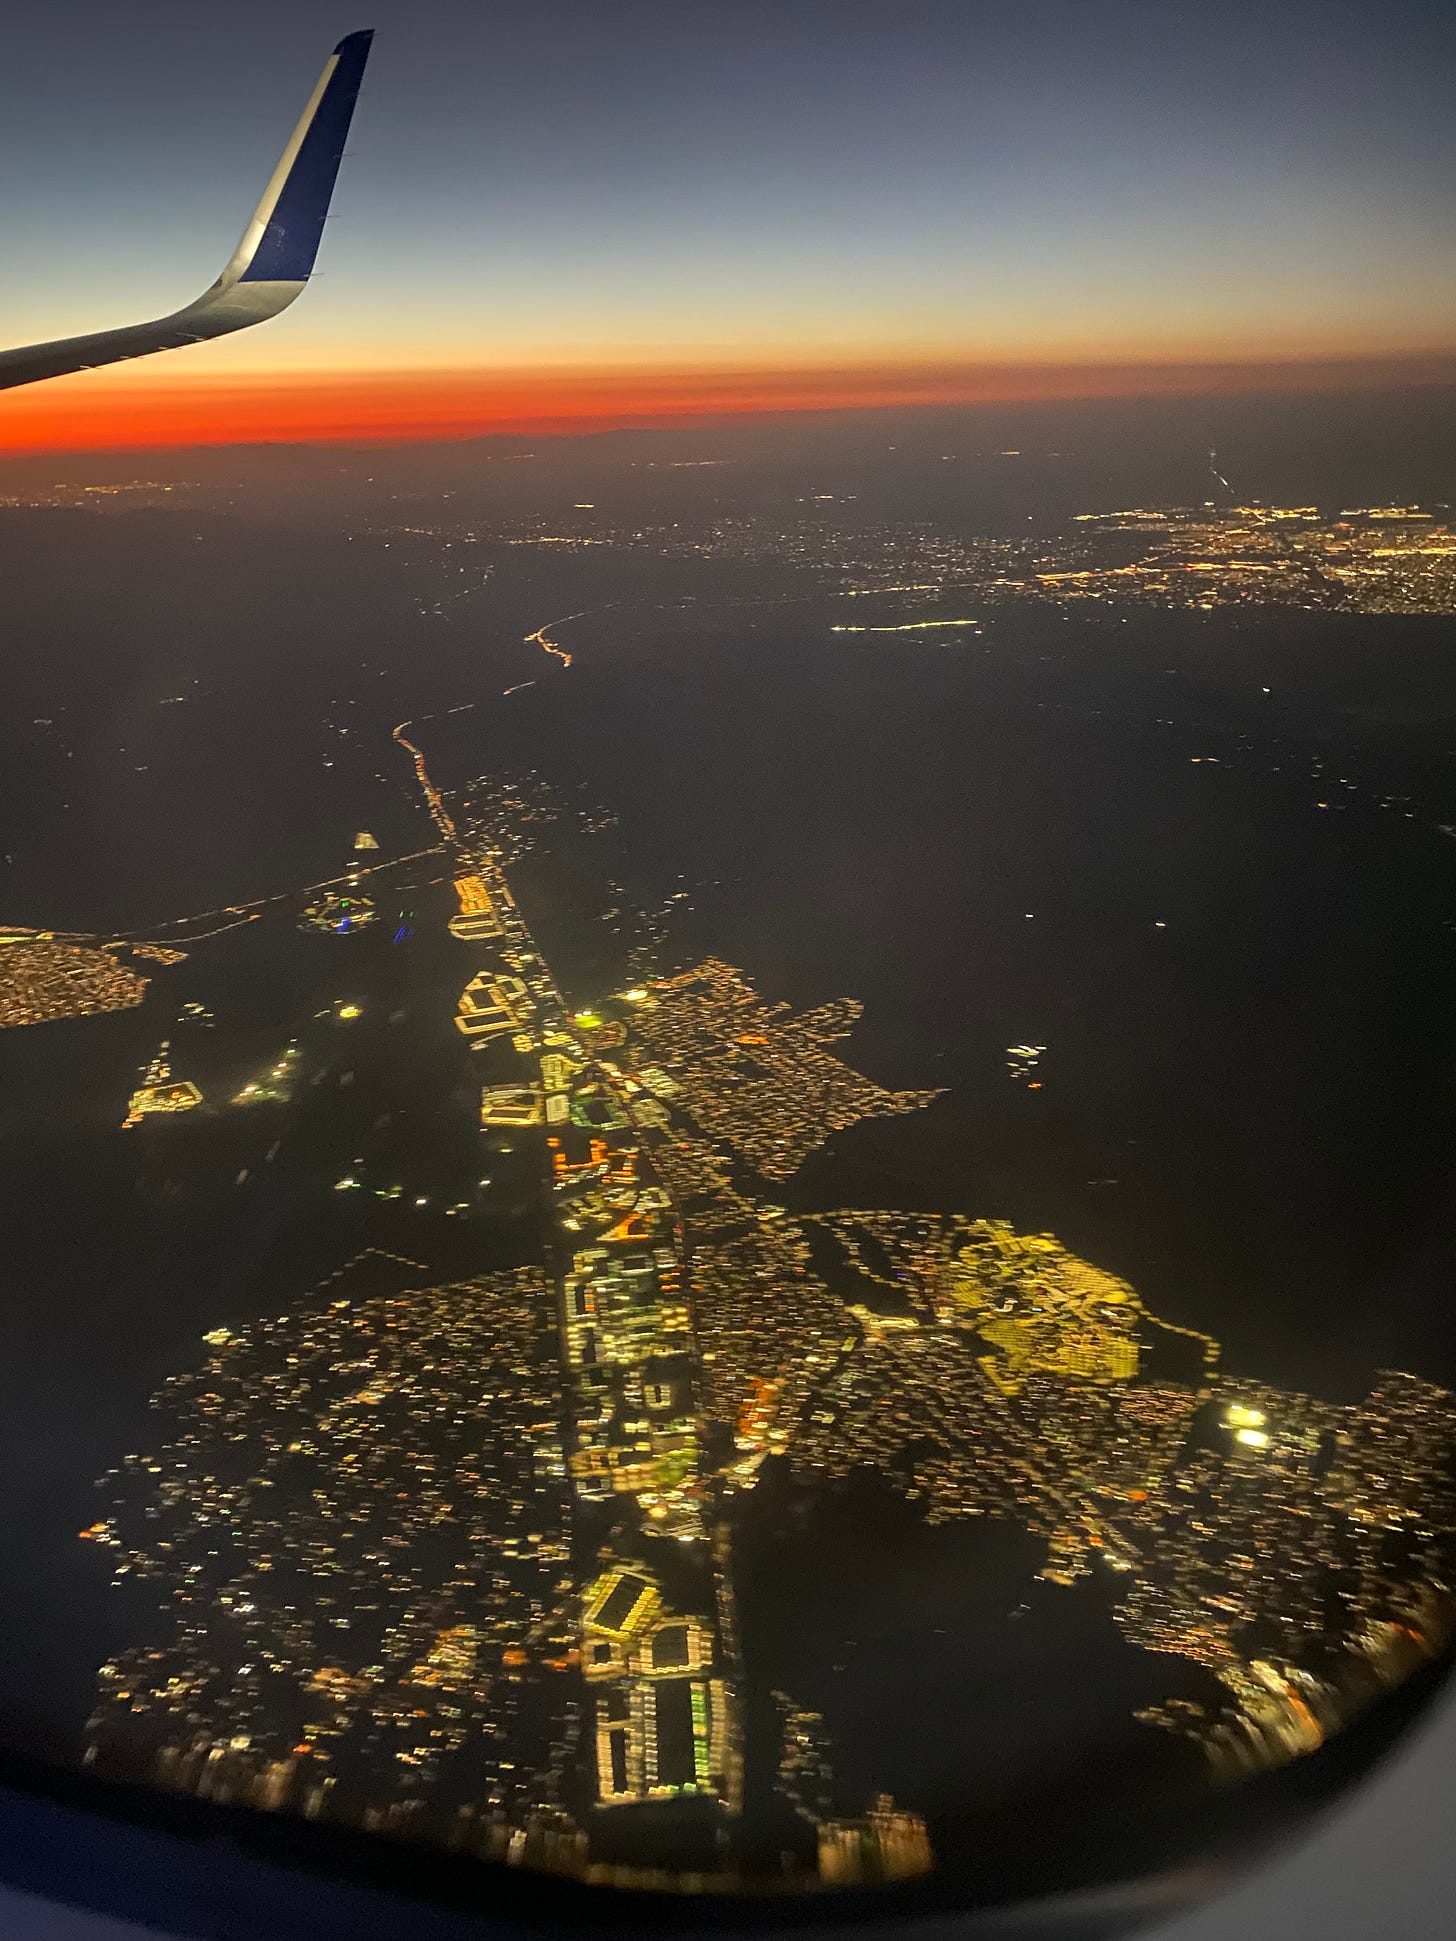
column 493, row 1005
column 1039, row 1307
column 179, row 1095
column 662, row 1717
column 556, row 1071
column 338, row 913
column 510, row 1105
column 159, row 1091
column 477, row 920
column 885, row 1845
column 41, row 980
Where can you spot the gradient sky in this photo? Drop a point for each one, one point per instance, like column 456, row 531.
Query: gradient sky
column 564, row 213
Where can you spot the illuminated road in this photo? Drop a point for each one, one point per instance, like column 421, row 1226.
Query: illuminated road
column 905, row 627
column 547, row 646
column 238, row 913
column 443, row 820
column 617, row 1261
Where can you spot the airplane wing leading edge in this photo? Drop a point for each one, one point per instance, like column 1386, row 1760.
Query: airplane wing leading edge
column 271, row 264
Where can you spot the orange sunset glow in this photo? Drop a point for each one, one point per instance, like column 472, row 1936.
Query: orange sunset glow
column 159, row 408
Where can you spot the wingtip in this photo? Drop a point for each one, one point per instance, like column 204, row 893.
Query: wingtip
column 281, row 243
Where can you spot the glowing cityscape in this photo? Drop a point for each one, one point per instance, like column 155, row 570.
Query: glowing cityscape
column 1361, row 559
column 458, row 1559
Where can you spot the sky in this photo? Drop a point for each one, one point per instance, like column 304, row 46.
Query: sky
column 570, row 215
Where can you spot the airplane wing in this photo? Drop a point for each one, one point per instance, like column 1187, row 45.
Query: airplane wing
column 270, row 265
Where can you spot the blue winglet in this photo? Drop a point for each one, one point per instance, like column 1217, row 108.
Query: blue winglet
column 289, row 245
column 271, row 263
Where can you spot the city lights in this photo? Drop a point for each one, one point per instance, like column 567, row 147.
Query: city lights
column 518, row 1522
column 41, row 980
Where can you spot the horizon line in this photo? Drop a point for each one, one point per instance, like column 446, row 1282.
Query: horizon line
column 452, row 404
